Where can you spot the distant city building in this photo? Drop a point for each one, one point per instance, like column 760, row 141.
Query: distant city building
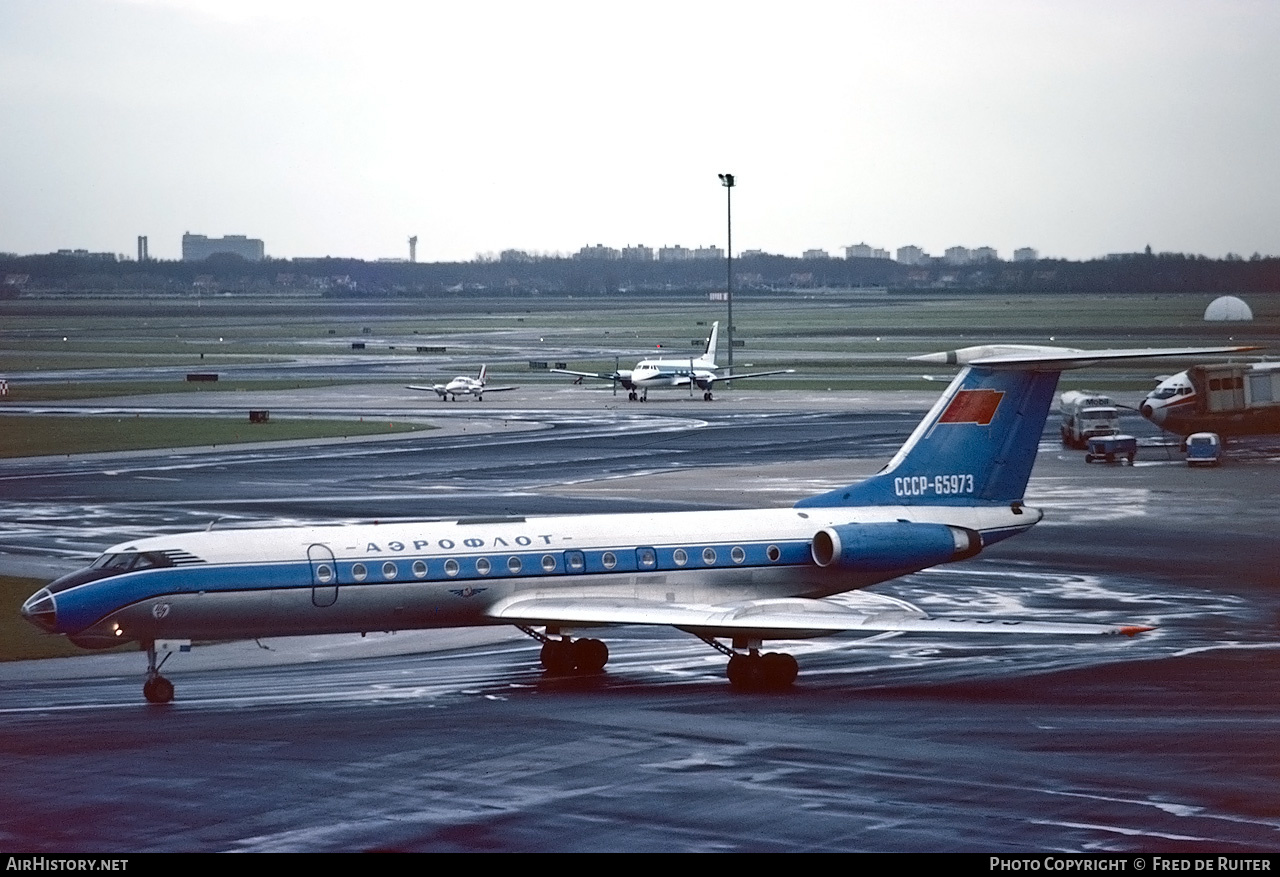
column 599, row 251
column 85, row 254
column 708, row 253
column 912, row 255
column 143, row 255
column 1026, row 254
column 985, row 254
column 514, row 256
column 751, row 254
column 865, row 251
column 638, row 253
column 958, row 255
column 815, row 254
column 198, row 247
column 674, row 254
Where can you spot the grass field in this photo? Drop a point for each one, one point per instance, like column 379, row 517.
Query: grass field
column 62, row 391
column 25, row 436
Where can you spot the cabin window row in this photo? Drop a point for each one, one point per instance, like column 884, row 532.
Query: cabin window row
column 638, row 560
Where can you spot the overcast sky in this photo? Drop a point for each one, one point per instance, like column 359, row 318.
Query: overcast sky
column 324, row 128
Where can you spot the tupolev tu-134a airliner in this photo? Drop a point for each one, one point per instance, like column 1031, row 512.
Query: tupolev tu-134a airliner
column 733, row 578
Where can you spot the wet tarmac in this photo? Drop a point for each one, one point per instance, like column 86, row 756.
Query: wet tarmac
column 456, row 741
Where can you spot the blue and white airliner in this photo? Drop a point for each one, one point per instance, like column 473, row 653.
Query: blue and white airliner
column 735, row 579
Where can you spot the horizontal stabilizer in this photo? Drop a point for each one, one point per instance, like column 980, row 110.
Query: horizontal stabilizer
column 1023, row 356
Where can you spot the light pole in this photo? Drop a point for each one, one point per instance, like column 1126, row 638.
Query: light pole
column 726, row 180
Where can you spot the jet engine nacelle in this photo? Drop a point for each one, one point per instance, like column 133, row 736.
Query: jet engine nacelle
column 885, row 547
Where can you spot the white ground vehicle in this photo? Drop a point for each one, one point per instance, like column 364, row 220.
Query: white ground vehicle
column 1086, row 414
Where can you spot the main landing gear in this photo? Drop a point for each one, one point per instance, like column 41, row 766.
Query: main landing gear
column 772, row 671
column 752, row 671
column 570, row 657
column 157, row 689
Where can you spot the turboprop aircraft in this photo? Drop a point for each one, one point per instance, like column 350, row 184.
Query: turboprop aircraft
column 741, row 576
column 463, row 386
column 671, row 373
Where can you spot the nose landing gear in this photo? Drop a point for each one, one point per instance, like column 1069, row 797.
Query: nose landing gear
column 157, row 689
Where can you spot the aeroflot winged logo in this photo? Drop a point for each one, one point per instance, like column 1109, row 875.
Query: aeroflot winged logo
column 972, row 406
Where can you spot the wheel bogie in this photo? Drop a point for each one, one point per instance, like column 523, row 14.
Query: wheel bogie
column 582, row 657
column 773, row 671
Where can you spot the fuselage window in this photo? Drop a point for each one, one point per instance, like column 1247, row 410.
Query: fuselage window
column 646, row 558
column 738, row 554
column 514, row 565
column 451, row 567
column 419, row 569
column 389, row 570
column 773, row 552
column 681, row 557
column 359, row 573
column 548, row 563
column 574, row 561
column 483, row 566
column 324, row 573
column 709, row 556
column 609, row 560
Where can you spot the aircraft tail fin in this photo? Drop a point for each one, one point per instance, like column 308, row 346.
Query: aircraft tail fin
column 710, row 353
column 978, row 443
column 483, row 369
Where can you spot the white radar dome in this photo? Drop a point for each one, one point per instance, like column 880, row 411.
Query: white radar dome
column 1228, row 308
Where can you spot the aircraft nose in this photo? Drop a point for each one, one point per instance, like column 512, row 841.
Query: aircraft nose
column 41, row 610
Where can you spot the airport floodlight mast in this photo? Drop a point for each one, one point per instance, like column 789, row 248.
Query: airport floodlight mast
column 726, row 180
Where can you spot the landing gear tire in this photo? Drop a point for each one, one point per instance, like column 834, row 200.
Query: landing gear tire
column 158, row 690
column 706, row 397
column 557, row 657
column 590, row 656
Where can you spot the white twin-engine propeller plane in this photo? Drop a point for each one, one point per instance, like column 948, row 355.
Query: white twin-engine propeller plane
column 741, row 577
column 463, row 385
column 666, row 373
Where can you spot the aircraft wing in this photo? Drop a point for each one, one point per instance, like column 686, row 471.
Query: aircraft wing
column 498, row 389
column 438, row 390
column 775, row 617
column 602, row 376
column 742, row 377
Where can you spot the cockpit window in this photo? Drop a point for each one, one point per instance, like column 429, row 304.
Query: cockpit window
column 130, row 560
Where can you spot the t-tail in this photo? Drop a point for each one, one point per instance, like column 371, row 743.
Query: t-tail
column 977, row 445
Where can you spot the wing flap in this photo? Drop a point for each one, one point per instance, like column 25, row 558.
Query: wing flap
column 795, row 614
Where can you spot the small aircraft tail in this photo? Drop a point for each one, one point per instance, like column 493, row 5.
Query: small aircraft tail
column 977, row 445
column 709, row 355
column 483, row 369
